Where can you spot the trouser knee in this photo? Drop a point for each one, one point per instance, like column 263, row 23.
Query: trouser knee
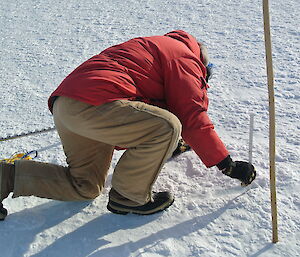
column 86, row 189
column 175, row 126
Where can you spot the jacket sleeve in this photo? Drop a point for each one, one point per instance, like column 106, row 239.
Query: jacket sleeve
column 186, row 97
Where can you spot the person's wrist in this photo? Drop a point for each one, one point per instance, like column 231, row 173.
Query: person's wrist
column 225, row 164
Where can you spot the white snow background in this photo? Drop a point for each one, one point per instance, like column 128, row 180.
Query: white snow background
column 42, row 41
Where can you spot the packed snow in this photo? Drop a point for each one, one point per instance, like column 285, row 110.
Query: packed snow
column 42, row 41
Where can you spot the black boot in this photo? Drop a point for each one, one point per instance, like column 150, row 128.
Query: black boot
column 7, row 180
column 159, row 202
column 181, row 148
column 3, row 212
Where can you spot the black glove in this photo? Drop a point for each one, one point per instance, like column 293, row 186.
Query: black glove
column 244, row 171
column 181, row 148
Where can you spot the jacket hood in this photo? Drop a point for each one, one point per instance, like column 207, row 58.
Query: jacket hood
column 187, row 39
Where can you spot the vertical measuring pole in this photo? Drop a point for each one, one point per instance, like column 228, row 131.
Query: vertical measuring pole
column 251, row 136
column 268, row 47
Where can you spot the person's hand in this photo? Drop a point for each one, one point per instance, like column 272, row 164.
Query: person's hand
column 243, row 171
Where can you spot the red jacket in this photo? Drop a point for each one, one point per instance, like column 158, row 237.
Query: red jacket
column 165, row 71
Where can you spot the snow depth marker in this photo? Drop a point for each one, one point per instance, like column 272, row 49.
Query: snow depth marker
column 270, row 75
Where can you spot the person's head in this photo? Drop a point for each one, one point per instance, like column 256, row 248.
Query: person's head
column 203, row 54
column 205, row 60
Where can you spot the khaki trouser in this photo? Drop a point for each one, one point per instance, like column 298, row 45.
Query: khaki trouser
column 89, row 134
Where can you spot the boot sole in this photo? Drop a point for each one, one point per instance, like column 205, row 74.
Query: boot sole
column 123, row 211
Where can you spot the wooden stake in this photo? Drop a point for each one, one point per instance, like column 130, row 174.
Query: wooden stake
column 268, row 47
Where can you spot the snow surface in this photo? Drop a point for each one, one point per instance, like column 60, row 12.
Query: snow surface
column 43, row 40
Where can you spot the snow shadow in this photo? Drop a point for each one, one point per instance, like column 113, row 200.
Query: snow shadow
column 98, row 237
column 263, row 250
column 21, row 228
column 89, row 239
